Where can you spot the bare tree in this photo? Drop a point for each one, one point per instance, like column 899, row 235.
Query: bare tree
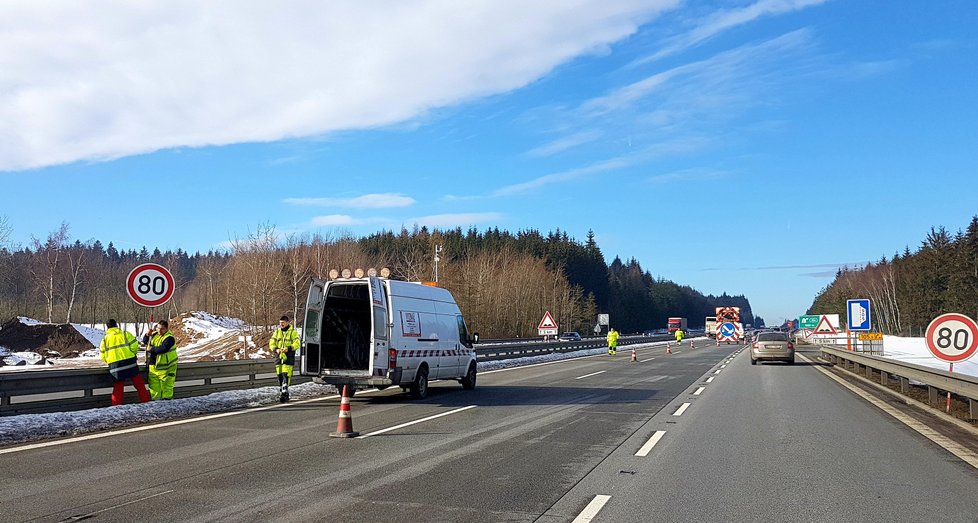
column 73, row 277
column 297, row 269
column 257, row 274
column 5, row 230
column 45, row 263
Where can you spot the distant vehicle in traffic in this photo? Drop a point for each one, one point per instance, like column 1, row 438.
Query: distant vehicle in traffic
column 769, row 345
column 569, row 336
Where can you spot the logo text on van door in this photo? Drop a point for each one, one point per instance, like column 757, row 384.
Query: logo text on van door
column 410, row 324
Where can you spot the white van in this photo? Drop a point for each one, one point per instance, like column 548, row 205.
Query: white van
column 377, row 332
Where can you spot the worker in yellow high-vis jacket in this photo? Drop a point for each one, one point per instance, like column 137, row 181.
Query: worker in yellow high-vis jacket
column 284, row 343
column 161, row 357
column 118, row 349
column 612, row 341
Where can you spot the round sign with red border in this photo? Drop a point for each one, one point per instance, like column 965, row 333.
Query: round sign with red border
column 150, row 285
column 952, row 337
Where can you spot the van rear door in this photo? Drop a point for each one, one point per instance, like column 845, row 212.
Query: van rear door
column 310, row 355
column 381, row 325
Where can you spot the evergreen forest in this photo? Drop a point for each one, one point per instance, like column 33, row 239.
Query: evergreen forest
column 912, row 288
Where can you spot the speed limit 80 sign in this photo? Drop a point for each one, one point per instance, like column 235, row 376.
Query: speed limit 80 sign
column 150, row 285
column 952, row 337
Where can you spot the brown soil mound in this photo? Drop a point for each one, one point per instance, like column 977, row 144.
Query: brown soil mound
column 227, row 347
column 43, row 339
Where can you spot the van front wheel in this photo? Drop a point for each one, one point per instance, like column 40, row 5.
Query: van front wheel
column 420, row 386
column 468, row 382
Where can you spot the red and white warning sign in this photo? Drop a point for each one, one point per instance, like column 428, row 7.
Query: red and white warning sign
column 548, row 327
column 827, row 324
column 150, row 285
column 952, row 337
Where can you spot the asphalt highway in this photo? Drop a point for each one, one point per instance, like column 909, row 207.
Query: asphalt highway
column 698, row 435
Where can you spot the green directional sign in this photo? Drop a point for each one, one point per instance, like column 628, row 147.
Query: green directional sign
column 808, row 322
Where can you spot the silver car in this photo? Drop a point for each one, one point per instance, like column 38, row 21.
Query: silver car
column 772, row 346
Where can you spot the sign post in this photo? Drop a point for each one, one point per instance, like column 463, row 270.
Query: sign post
column 952, row 337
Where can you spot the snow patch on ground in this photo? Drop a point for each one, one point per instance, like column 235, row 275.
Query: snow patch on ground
column 210, row 326
column 914, row 350
column 28, row 321
column 19, row 359
column 32, row 427
column 91, row 334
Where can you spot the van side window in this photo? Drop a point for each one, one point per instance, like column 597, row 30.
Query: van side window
column 380, row 323
column 463, row 332
column 311, row 325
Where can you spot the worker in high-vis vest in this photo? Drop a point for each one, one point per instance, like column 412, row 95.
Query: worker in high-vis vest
column 161, row 357
column 612, row 341
column 284, row 343
column 119, row 349
column 679, row 335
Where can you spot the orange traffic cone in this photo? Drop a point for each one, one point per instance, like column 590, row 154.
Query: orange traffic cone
column 634, row 356
column 668, row 350
column 344, row 424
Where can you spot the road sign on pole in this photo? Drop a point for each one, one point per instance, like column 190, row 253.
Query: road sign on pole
column 150, row 285
column 952, row 337
column 548, row 327
column 858, row 316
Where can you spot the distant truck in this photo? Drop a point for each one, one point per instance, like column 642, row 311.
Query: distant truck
column 675, row 324
column 711, row 326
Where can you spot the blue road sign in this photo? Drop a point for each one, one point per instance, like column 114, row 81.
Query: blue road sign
column 858, row 315
column 728, row 329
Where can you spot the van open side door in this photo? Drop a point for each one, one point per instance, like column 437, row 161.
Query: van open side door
column 381, row 325
column 310, row 359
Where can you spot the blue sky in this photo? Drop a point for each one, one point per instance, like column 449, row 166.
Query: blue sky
column 749, row 147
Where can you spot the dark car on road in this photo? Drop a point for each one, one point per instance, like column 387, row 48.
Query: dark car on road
column 569, row 336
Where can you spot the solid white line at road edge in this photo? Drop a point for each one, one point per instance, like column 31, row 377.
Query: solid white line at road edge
column 161, row 425
column 589, row 375
column 415, row 422
column 644, row 451
column 592, row 509
column 682, row 408
column 963, row 453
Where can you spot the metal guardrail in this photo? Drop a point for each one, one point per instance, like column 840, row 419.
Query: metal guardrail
column 935, row 380
column 36, row 391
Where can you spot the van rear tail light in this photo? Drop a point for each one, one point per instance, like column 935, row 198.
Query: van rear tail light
column 391, row 358
column 791, row 345
column 754, row 346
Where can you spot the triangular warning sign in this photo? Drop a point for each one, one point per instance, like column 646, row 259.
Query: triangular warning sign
column 824, row 326
column 547, row 322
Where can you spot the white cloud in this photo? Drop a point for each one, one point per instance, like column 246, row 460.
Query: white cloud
column 456, row 220
column 561, row 177
column 563, row 144
column 725, row 19
column 96, row 80
column 686, row 176
column 331, row 220
column 367, row 201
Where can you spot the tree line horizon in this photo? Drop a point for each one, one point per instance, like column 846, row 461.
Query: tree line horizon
column 502, row 281
column 910, row 289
